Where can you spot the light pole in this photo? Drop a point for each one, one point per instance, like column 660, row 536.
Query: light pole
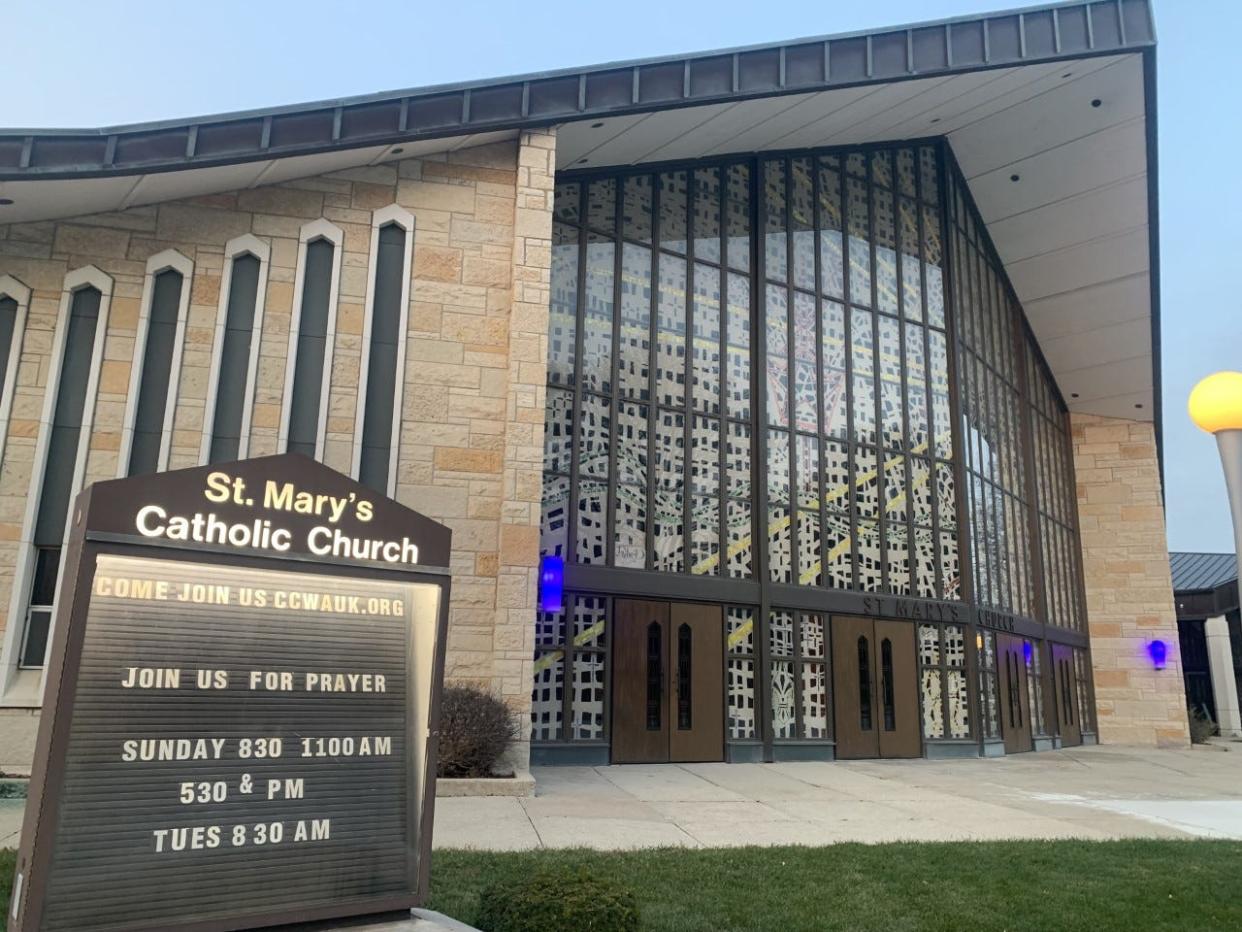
column 1215, row 406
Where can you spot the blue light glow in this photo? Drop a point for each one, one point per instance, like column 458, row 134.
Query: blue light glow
column 1159, row 653
column 551, row 584
column 1026, row 651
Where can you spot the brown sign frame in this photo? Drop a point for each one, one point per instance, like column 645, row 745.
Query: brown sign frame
column 94, row 532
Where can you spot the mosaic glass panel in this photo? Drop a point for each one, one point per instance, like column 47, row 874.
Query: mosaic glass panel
column 741, row 689
column 705, row 535
column 814, row 701
column 959, row 705
column 781, row 634
column 547, row 697
column 598, row 312
column 740, row 628
column 673, row 194
column 802, row 223
column 706, row 220
column 933, row 704
column 831, row 263
column 590, row 619
column 705, row 361
column 563, row 304
column 634, row 361
column 810, row 566
column 777, row 334
column 738, row 335
column 783, row 700
column 587, row 699
column 636, row 208
column 594, row 429
column 671, row 339
column 629, row 527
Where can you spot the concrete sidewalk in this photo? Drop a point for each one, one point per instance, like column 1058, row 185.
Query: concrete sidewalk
column 1092, row 793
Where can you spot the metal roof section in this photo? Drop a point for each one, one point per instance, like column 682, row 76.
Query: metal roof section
column 948, row 47
column 1050, row 112
column 1202, row 572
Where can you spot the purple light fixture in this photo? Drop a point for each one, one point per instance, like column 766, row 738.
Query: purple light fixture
column 551, row 584
column 1159, row 653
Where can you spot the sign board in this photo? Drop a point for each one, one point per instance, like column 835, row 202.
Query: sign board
column 243, row 682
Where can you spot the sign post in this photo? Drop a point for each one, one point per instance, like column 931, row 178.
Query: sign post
column 242, row 699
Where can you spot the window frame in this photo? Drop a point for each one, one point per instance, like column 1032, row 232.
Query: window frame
column 234, row 249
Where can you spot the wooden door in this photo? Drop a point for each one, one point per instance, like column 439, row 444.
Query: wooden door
column 1066, row 689
column 696, row 683
column 1015, row 694
column 853, row 678
column 900, row 732
column 640, row 713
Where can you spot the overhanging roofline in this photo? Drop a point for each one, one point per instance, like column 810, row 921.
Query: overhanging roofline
column 1030, row 35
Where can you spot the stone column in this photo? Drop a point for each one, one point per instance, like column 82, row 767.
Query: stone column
column 513, row 641
column 1224, row 685
column 1129, row 588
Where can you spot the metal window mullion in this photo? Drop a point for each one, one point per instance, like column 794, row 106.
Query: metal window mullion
column 1080, row 593
column 848, row 321
column 575, row 414
column 610, row 499
column 688, row 388
column 881, row 478
column 944, row 681
column 903, row 375
column 928, row 390
column 759, row 490
column 953, row 343
column 822, row 443
column 981, row 395
column 994, row 419
column 653, row 381
column 795, row 670
column 791, row 364
column 724, row 493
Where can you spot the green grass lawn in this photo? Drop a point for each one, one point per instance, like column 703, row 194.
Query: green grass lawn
column 1029, row 885
column 1056, row 885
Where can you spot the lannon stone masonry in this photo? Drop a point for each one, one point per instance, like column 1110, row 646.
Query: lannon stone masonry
column 471, row 440
column 1128, row 582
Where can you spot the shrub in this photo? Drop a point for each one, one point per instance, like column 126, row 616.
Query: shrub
column 1201, row 726
column 557, row 899
column 475, row 730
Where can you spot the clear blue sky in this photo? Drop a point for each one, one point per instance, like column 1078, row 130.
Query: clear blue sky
column 145, row 60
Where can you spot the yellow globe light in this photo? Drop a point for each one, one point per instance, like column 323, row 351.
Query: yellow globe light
column 1216, row 402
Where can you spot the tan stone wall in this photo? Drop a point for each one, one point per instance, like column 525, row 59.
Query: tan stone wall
column 472, row 427
column 1129, row 587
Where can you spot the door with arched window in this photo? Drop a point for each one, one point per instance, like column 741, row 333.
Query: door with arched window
column 668, row 683
column 875, row 678
column 1015, row 701
column 1065, row 681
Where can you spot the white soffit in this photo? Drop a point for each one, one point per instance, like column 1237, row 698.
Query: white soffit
column 1072, row 230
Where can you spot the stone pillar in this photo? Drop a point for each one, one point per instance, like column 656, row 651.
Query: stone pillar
column 1128, row 583
column 513, row 643
column 1224, row 685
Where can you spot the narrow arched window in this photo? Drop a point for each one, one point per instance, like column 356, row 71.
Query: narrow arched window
column 864, row 684
column 308, row 375
column 655, row 676
column 685, row 680
column 157, row 364
column 14, row 302
column 239, row 329
column 69, row 404
column 377, row 428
